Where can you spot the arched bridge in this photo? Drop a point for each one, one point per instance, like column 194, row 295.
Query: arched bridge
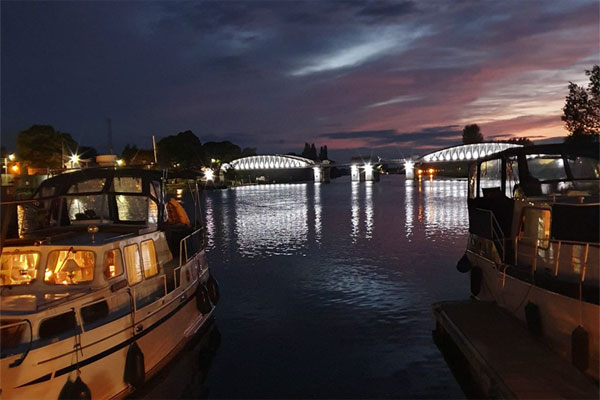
column 270, row 162
column 279, row 168
column 466, row 152
column 450, row 161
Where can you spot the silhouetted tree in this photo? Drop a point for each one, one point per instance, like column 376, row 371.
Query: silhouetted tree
column 223, row 151
column 523, row 141
column 313, row 152
column 323, row 153
column 87, row 152
column 184, row 149
column 248, row 151
column 42, row 146
column 581, row 112
column 306, row 152
column 472, row 134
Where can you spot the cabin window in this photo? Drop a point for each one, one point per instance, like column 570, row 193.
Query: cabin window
column 512, row 189
column 546, row 167
column 127, row 184
column 536, row 226
column 87, row 207
column 11, row 336
column 584, row 168
column 132, row 208
column 59, row 325
column 94, row 312
column 69, row 267
column 113, row 265
column 19, row 267
column 132, row 263
column 152, row 212
column 89, row 186
column 490, row 178
column 472, row 180
column 149, row 257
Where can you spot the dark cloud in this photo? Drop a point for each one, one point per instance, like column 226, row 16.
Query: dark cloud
column 273, row 75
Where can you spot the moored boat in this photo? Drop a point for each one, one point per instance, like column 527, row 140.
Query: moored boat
column 104, row 282
column 533, row 245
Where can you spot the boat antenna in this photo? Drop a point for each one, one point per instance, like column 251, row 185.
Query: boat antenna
column 110, row 144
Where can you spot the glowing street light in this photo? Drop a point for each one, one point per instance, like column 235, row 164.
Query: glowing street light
column 120, row 162
column 209, row 174
column 11, row 157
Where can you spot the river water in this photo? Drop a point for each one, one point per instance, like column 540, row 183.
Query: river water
column 326, row 292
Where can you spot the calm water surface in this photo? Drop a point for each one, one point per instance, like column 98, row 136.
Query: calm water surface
column 326, row 292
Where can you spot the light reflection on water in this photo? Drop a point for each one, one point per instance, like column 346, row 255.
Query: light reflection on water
column 326, row 289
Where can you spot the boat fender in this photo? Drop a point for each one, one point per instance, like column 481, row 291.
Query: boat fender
column 533, row 318
column 213, row 290
column 464, row 265
column 580, row 348
column 476, row 278
column 202, row 299
column 135, row 373
column 76, row 389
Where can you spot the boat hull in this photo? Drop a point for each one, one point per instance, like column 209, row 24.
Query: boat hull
column 559, row 315
column 160, row 330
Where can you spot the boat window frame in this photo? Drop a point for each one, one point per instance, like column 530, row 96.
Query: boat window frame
column 104, row 265
column 69, row 251
column 541, row 242
column 129, row 280
column 36, row 269
column 501, row 159
column 157, row 264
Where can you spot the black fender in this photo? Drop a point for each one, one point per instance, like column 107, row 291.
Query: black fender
column 213, row 290
column 203, row 299
column 464, row 265
column 135, row 373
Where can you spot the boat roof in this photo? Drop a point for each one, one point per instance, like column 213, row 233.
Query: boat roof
column 63, row 182
column 591, row 150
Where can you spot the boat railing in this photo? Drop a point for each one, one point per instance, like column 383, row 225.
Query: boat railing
column 190, row 245
column 565, row 258
column 496, row 234
column 12, row 342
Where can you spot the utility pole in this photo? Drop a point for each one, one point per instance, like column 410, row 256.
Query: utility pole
column 110, row 144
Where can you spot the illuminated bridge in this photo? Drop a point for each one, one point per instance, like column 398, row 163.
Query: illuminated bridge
column 451, row 160
column 279, row 168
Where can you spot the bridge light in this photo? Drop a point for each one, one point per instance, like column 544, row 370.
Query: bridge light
column 430, row 170
column 419, row 171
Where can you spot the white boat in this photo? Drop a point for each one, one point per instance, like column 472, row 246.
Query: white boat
column 533, row 244
column 105, row 282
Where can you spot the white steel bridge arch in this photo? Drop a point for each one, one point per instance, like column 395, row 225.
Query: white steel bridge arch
column 269, row 162
column 466, row 152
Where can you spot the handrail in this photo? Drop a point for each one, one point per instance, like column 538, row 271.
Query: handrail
column 556, row 257
column 496, row 232
column 183, row 243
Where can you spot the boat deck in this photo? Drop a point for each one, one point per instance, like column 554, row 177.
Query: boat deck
column 504, row 358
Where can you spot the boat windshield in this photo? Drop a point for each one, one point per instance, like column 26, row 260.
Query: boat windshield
column 551, row 171
column 18, row 267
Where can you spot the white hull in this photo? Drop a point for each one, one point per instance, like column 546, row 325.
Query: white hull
column 161, row 329
column 560, row 315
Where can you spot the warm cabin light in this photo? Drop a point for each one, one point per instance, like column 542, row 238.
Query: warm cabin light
column 179, row 193
column 209, row 174
column 15, row 168
column 112, row 271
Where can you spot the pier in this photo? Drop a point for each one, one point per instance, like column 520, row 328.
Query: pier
column 503, row 358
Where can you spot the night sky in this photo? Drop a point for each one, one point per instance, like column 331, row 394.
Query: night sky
column 384, row 78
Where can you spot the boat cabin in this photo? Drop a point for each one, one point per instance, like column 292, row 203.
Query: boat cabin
column 537, row 207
